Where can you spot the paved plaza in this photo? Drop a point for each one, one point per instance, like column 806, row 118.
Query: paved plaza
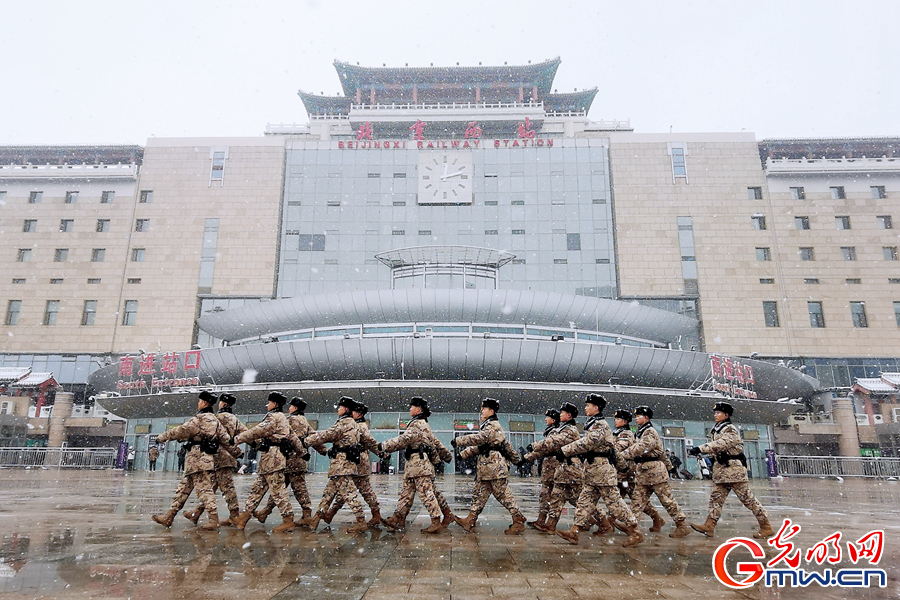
column 88, row 534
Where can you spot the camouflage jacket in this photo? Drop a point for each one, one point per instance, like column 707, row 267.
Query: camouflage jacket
column 440, row 453
column 233, row 427
column 153, row 453
column 343, row 435
column 568, row 471
column 548, row 468
column 204, row 426
column 597, row 439
column 301, row 428
column 488, row 444
column 647, row 453
column 368, row 444
column 726, row 438
column 624, row 468
column 270, row 433
column 417, row 440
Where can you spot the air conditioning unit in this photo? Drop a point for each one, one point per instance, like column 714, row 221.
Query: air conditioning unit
column 823, row 418
column 896, row 414
column 798, row 419
column 879, row 419
column 862, row 419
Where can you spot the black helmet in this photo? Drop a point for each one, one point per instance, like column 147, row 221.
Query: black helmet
column 624, row 415
column 347, row 402
column 724, row 407
column 491, row 403
column 361, row 408
column 278, row 398
column 644, row 410
column 300, row 403
column 569, row 408
column 597, row 400
column 553, row 414
column 421, row 403
column 227, row 398
column 207, row 397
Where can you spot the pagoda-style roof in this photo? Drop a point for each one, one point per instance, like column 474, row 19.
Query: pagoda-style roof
column 570, row 102
column 325, row 105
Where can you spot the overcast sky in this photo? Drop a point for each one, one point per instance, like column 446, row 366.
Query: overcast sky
column 120, row 72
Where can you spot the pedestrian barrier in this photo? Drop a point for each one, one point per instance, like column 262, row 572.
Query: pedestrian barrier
column 838, row 466
column 62, row 458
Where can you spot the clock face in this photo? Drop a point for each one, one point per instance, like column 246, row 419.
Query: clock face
column 445, row 178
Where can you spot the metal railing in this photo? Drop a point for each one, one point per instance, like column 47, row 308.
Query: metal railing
column 60, row 458
column 838, row 466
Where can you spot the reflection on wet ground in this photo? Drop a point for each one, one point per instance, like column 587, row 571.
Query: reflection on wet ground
column 88, row 534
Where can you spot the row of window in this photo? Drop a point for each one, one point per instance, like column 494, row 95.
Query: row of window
column 106, row 197
column 847, row 253
column 815, row 280
column 68, row 225
column 56, row 280
column 62, row 255
column 315, row 242
column 51, row 312
column 817, row 314
column 837, row 192
column 841, row 222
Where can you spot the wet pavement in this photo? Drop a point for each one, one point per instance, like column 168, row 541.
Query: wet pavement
column 88, row 534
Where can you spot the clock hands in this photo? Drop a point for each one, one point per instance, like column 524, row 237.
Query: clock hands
column 446, row 176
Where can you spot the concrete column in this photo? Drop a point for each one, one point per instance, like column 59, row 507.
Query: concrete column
column 62, row 410
column 842, row 409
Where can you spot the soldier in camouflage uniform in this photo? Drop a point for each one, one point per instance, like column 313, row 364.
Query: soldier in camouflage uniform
column 651, row 475
column 418, row 442
column 569, row 474
column 344, row 455
column 274, row 440
column 548, row 471
column 204, row 434
column 598, row 455
column 729, row 473
column 625, row 468
column 223, row 476
column 492, row 471
column 295, row 471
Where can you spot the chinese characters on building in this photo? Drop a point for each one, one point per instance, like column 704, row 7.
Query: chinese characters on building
column 167, row 365
column 732, row 378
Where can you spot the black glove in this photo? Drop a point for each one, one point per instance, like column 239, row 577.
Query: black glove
column 530, row 447
column 695, row 451
column 560, row 456
column 306, row 456
column 453, row 442
column 380, row 448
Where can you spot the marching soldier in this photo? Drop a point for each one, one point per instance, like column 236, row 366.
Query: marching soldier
column 598, row 455
column 492, row 472
column 651, row 476
column 626, row 468
column 568, row 477
column 274, row 441
column 344, row 455
column 295, row 471
column 548, row 470
column 417, row 441
column 204, row 434
column 729, row 473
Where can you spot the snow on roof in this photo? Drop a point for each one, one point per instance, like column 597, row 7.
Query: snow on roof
column 13, row 374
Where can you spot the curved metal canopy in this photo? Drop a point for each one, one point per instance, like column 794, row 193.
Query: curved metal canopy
column 445, row 255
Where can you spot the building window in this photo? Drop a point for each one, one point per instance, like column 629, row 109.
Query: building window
column 758, row 221
column 66, row 225
column 18, row 280
column 678, row 165
column 897, row 313
column 102, row 225
column 130, row 316
column 893, row 279
column 837, row 192
column 218, row 166
column 816, row 316
column 88, row 313
column 573, row 241
column 878, row 191
column 134, row 280
column 853, row 281
column 522, row 232
column 814, row 280
column 13, row 308
column 801, row 222
column 394, row 203
column 35, row 197
column 61, row 255
column 29, row 226
column 798, row 193
column 137, row 254
column 848, row 252
column 890, row 252
column 560, row 261
column 24, row 255
column 56, row 280
column 424, row 232
column 754, row 193
column 490, row 203
column 403, row 175
column 490, row 232
column 71, row 197
column 858, row 311
column 50, row 312
column 770, row 313
column 766, row 280
column 142, row 225
column 763, row 254
column 885, row 222
column 517, row 203
column 146, row 197
column 335, row 203
column 602, row 261
column 98, row 255
column 842, row 222
column 312, row 242
column 807, row 254
column 93, row 281
column 374, row 175
column 107, row 197
column 518, row 261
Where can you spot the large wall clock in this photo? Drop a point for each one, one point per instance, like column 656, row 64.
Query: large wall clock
column 445, row 177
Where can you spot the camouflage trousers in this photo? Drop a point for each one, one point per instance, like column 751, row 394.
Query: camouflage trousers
column 274, row 484
column 500, row 490
column 544, row 497
column 562, row 493
column 297, row 483
column 202, row 481
column 425, row 488
column 587, row 504
column 340, row 489
column 743, row 493
column 364, row 485
column 641, row 499
column 626, row 490
column 223, row 480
